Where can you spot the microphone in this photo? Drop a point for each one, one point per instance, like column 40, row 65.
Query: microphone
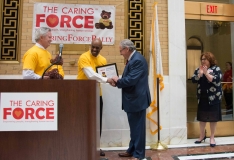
column 57, row 60
column 60, row 50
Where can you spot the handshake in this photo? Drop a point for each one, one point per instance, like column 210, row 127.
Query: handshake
column 112, row 81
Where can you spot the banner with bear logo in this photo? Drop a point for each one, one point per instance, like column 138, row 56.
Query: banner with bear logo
column 75, row 23
column 34, row 111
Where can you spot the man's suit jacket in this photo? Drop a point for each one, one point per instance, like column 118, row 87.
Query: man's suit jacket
column 134, row 84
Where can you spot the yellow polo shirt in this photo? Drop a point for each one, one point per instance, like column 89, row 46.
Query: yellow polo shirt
column 88, row 60
column 38, row 59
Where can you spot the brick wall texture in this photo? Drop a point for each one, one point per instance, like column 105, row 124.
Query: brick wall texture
column 110, row 52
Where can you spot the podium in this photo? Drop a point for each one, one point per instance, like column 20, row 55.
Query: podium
column 78, row 135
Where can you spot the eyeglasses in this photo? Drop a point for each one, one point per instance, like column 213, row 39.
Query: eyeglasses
column 122, row 49
column 203, row 59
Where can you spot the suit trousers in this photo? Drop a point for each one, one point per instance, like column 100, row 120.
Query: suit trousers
column 137, row 125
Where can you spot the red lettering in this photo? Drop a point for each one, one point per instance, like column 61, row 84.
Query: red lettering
column 80, row 11
column 70, row 11
column 59, row 38
column 74, row 21
column 88, row 20
column 53, row 20
column 216, row 9
column 211, row 9
column 6, row 111
column 18, row 113
column 37, row 113
column 76, row 11
column 29, row 113
column 49, row 113
column 65, row 19
column 64, row 9
column 39, row 19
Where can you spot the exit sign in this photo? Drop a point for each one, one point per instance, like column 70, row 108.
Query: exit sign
column 211, row 9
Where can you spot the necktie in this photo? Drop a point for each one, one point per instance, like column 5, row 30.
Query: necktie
column 126, row 62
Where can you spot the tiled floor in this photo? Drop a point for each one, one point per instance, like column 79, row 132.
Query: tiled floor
column 224, row 150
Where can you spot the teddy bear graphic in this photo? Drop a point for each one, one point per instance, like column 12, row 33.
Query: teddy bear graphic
column 104, row 22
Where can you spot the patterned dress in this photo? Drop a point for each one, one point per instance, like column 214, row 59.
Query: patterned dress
column 209, row 95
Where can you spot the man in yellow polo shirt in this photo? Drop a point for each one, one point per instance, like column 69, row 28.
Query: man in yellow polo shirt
column 37, row 58
column 87, row 64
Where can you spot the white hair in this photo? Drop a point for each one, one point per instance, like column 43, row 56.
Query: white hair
column 42, row 31
column 127, row 43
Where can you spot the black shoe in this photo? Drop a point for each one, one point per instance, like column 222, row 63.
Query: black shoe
column 102, row 153
column 212, row 145
column 197, row 142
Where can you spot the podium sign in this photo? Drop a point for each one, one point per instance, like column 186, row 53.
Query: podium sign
column 78, row 133
column 28, row 111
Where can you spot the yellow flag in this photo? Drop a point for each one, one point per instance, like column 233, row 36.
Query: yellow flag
column 155, row 71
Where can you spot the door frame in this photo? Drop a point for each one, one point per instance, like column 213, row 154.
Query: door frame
column 214, row 12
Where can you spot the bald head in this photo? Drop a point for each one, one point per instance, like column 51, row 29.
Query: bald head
column 96, row 46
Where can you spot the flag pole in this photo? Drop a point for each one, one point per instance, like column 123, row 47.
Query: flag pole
column 156, row 51
column 159, row 145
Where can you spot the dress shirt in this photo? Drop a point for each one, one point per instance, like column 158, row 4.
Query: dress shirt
column 89, row 72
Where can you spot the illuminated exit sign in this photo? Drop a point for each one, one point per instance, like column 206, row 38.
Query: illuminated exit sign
column 211, row 9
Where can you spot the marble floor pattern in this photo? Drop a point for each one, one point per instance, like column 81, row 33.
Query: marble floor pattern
column 224, row 150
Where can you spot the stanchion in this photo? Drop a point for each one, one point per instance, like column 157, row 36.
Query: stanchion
column 159, row 145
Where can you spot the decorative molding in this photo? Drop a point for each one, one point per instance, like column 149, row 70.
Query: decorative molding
column 10, row 30
column 135, row 23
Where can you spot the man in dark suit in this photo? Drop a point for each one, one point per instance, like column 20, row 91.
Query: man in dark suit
column 135, row 97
